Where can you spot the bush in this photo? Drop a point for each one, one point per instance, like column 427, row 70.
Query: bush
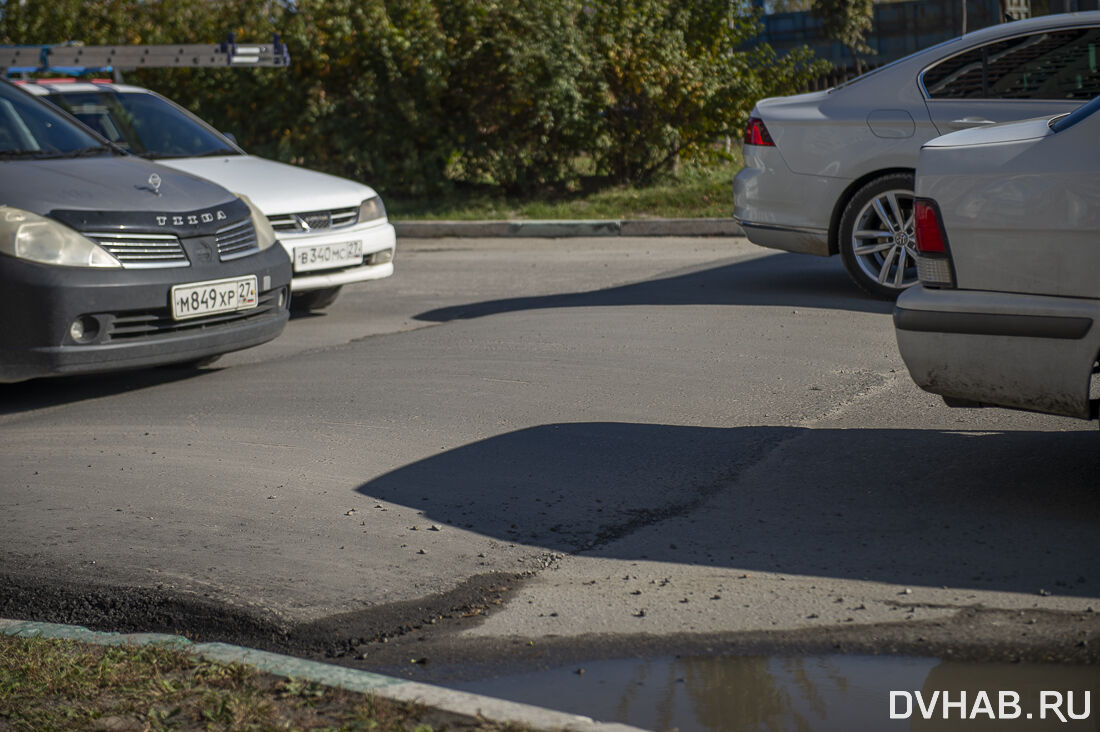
column 518, row 105
column 416, row 96
column 676, row 79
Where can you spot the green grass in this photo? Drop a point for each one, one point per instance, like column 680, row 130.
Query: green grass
column 66, row 685
column 691, row 193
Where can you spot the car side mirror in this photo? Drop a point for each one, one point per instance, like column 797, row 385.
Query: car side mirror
column 232, row 138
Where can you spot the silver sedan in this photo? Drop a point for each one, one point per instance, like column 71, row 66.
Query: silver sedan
column 832, row 172
column 1008, row 311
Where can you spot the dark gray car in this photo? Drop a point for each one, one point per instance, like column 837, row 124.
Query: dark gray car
column 108, row 261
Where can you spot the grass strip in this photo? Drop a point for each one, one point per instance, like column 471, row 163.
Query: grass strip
column 694, row 192
column 48, row 684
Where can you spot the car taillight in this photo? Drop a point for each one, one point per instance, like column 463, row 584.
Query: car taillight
column 934, row 265
column 757, row 134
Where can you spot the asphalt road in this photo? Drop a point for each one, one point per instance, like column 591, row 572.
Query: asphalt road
column 581, row 443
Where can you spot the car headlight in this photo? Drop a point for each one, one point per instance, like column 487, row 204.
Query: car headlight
column 372, row 209
column 265, row 235
column 36, row 238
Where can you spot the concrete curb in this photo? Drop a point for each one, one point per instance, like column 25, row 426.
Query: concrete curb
column 562, row 229
column 470, row 707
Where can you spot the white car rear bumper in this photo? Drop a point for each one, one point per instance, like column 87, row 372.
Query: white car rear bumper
column 1001, row 349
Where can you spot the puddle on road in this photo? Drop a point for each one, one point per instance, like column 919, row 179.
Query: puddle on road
column 817, row 693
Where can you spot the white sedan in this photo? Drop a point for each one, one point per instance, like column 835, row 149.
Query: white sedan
column 832, row 172
column 1008, row 233
column 335, row 230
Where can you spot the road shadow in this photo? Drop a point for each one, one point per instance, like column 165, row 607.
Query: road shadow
column 42, row 393
column 307, row 314
column 789, row 280
column 1013, row 511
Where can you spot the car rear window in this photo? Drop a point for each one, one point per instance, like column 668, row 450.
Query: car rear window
column 1061, row 64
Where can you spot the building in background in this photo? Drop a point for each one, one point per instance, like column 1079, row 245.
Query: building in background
column 901, row 28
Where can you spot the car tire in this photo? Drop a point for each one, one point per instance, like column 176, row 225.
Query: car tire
column 876, row 236
column 313, row 299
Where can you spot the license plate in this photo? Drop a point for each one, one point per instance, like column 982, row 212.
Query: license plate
column 327, row 256
column 216, row 296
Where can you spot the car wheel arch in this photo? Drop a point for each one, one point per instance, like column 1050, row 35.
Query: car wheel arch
column 845, row 197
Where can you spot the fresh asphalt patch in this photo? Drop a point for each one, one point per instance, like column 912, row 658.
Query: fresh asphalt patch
column 141, row 610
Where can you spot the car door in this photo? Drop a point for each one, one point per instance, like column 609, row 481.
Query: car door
column 1015, row 78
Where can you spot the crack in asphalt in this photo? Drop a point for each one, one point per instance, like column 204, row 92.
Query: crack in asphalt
column 868, row 385
column 645, row 518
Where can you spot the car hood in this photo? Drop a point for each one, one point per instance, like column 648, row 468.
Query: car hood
column 277, row 188
column 1029, row 129
column 103, row 184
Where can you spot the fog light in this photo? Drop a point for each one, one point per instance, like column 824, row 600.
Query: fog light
column 84, row 329
column 282, row 297
column 383, row 257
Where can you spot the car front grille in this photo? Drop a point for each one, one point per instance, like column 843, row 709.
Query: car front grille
column 142, row 251
column 337, row 218
column 137, row 324
column 236, row 240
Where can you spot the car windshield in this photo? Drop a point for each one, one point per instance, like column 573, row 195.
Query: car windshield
column 144, row 124
column 30, row 129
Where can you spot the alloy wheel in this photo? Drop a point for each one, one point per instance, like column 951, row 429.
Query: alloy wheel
column 884, row 241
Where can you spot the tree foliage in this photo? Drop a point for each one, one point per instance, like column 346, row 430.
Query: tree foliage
column 847, row 21
column 789, row 6
column 418, row 95
column 676, row 77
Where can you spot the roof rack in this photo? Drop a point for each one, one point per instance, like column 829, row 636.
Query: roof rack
column 75, row 58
